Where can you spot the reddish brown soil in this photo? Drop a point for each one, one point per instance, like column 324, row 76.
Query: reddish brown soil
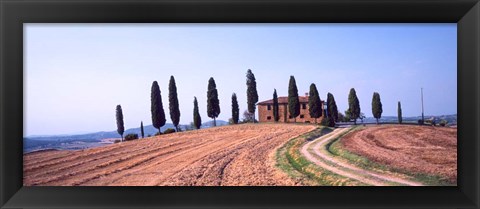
column 415, row 149
column 228, row 155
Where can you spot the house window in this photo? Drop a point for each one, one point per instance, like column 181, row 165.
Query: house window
column 269, row 107
column 304, row 106
column 269, row 117
column 301, row 116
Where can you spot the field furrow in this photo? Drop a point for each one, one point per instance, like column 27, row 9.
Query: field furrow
column 228, row 155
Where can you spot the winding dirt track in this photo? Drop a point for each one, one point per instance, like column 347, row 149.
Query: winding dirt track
column 316, row 152
column 228, row 155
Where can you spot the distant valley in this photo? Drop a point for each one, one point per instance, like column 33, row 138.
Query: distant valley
column 83, row 141
column 451, row 119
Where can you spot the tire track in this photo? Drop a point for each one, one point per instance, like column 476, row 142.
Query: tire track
column 178, row 152
column 215, row 161
column 228, row 155
column 204, row 159
column 106, row 157
column 105, row 164
column 71, row 157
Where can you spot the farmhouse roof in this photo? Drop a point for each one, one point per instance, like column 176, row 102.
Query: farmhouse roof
column 284, row 100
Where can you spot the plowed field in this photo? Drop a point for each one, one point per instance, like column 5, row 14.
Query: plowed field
column 228, row 155
column 415, row 149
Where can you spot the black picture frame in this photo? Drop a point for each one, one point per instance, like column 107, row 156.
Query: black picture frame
column 466, row 13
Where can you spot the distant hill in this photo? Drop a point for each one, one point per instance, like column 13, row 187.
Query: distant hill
column 210, row 123
column 82, row 141
column 451, row 119
column 150, row 130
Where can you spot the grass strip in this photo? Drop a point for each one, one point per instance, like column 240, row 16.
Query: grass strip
column 302, row 171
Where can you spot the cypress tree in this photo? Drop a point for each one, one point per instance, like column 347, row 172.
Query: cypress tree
column 332, row 109
column 376, row 106
column 353, row 105
column 141, row 129
column 158, row 114
column 213, row 104
column 235, row 109
column 275, row 106
column 252, row 95
column 347, row 117
column 173, row 103
column 197, row 120
column 314, row 103
column 399, row 111
column 119, row 116
column 293, row 101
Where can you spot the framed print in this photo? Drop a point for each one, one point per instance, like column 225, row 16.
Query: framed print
column 281, row 104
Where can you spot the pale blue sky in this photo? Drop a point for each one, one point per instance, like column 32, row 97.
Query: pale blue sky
column 75, row 74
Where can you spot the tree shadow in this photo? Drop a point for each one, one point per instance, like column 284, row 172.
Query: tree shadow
column 318, row 133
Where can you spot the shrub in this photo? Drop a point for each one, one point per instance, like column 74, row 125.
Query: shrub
column 443, row 122
column 117, row 141
column 248, row 117
column 325, row 122
column 158, row 134
column 169, row 131
column 130, row 137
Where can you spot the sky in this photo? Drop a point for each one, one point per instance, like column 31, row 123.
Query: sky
column 76, row 74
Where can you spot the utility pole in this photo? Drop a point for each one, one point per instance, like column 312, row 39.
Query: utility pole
column 423, row 119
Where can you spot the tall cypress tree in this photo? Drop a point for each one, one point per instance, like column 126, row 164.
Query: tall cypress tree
column 332, row 109
column 197, row 120
column 158, row 114
column 141, row 129
column 235, row 109
column 399, row 111
column 252, row 95
column 276, row 116
column 376, row 106
column 173, row 103
column 314, row 103
column 119, row 116
column 213, row 104
column 353, row 105
column 293, row 101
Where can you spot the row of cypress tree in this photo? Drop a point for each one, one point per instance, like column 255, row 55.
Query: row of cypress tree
column 315, row 105
column 213, row 105
column 158, row 114
column 377, row 108
column 121, row 126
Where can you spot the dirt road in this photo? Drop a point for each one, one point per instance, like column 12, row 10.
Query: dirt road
column 317, row 152
column 228, row 155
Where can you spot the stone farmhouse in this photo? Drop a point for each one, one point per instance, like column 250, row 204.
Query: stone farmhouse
column 265, row 111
